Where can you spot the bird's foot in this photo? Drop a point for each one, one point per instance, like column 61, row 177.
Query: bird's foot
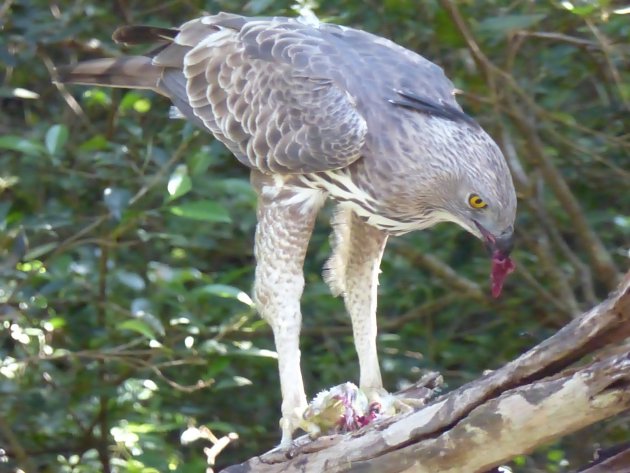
column 411, row 398
column 289, row 423
column 288, row 447
column 388, row 405
column 346, row 408
column 340, row 409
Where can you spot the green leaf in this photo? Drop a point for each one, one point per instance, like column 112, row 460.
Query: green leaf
column 56, row 138
column 57, row 322
column 139, row 326
column 21, row 145
column 256, row 352
column 98, row 97
column 142, row 310
column 200, row 161
column 142, row 106
column 179, row 183
column 216, row 366
column 130, row 279
column 204, row 210
column 136, row 101
column 95, row 143
column 509, row 23
column 223, row 290
column 580, row 8
column 234, row 382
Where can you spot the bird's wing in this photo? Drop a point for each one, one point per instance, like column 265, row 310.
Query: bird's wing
column 283, row 95
column 250, row 83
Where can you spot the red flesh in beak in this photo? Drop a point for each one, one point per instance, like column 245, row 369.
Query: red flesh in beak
column 501, row 267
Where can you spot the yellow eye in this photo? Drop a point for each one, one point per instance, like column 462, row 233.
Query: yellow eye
column 476, row 202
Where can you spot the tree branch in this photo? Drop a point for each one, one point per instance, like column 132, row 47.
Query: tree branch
column 607, row 461
column 529, row 401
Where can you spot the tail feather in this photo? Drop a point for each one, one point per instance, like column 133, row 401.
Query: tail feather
column 130, row 72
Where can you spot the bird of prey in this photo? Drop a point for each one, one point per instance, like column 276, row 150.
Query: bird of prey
column 319, row 111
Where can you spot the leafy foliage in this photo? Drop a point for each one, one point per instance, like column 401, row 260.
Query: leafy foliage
column 126, row 239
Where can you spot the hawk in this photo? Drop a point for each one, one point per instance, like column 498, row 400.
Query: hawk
column 319, row 111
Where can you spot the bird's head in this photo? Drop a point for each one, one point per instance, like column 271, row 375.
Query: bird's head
column 455, row 173
column 480, row 197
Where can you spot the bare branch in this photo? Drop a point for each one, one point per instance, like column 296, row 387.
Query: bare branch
column 528, row 402
column 559, row 37
column 444, row 272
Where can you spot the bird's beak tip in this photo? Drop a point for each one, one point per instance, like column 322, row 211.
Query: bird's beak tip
column 503, row 245
column 499, row 246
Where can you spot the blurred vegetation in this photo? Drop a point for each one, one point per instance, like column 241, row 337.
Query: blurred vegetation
column 126, row 239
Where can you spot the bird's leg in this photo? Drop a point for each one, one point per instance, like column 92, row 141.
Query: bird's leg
column 353, row 270
column 282, row 236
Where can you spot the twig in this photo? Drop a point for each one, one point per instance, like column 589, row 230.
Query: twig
column 444, row 272
column 424, row 310
column 200, row 384
column 218, row 446
column 559, row 37
column 177, row 155
column 67, row 96
column 541, row 291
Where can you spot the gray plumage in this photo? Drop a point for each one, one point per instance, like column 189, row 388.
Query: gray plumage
column 316, row 111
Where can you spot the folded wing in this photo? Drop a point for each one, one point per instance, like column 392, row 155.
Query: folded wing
column 251, row 83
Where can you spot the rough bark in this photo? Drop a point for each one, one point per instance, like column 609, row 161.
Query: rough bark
column 546, row 393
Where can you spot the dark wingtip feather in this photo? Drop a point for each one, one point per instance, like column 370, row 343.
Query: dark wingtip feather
column 140, row 34
column 414, row 101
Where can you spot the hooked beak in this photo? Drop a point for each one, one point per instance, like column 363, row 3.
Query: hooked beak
column 499, row 246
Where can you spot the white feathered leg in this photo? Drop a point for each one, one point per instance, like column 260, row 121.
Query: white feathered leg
column 353, row 271
column 285, row 224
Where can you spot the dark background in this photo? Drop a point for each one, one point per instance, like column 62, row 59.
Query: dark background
column 126, row 239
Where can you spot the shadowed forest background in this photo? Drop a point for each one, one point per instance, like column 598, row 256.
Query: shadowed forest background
column 126, row 238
